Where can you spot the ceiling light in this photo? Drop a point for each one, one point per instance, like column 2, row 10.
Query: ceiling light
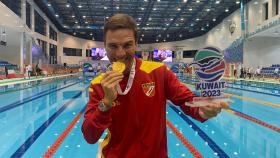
column 185, row 0
column 157, row 40
column 74, row 33
column 197, row 19
column 76, row 22
column 80, row 6
column 226, row 10
column 147, row 24
column 208, row 10
column 237, row 2
column 214, row 19
column 91, row 34
column 177, row 24
column 256, row 2
column 73, row 16
column 142, row 8
column 79, row 27
column 56, row 15
column 217, row 2
column 164, row 40
column 154, row 8
column 107, row 17
column 145, row 0
column 49, row 4
column 150, row 18
column 197, row 1
column 207, row 25
column 105, row 7
column 167, row 24
column 138, row 24
column 117, row 7
column 182, row 19
column 67, row 5
column 139, row 18
column 180, row 35
column 158, row 0
column 141, row 39
column 171, row 19
column 86, row 22
column 84, row 16
column 192, row 24
column 179, row 9
column 190, row 9
column 88, row 27
column 142, row 35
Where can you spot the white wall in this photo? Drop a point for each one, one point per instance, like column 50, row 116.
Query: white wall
column 262, row 51
column 69, row 41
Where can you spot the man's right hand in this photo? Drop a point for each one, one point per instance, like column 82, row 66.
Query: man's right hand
column 109, row 82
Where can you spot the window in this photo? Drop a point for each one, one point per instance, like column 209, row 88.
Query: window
column 72, row 52
column 189, row 53
column 53, row 54
column 88, row 53
column 275, row 7
column 14, row 5
column 265, row 11
column 53, row 34
column 40, row 23
column 43, row 46
column 28, row 14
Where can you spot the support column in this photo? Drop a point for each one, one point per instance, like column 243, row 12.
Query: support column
column 242, row 19
column 23, row 11
column 21, row 52
column 32, row 16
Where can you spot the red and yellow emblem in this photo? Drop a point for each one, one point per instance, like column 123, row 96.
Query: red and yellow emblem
column 149, row 89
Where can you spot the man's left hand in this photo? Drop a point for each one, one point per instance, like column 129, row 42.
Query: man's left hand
column 212, row 109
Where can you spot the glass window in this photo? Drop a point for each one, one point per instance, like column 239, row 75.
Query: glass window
column 40, row 23
column 14, row 5
column 72, row 52
column 28, row 14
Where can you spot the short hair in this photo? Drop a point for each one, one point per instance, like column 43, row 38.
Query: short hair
column 120, row 21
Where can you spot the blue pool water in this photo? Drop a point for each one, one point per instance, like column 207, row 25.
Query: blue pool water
column 32, row 118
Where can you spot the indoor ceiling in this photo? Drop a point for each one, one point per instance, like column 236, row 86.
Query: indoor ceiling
column 157, row 20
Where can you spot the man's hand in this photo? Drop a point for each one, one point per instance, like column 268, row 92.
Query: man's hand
column 109, row 83
column 212, row 109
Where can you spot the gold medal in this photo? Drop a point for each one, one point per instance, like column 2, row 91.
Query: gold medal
column 118, row 66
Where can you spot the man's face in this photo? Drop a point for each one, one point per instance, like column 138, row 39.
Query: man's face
column 121, row 46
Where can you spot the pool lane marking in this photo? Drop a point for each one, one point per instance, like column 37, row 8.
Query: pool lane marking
column 252, row 119
column 203, row 135
column 34, row 79
column 246, row 98
column 31, row 98
column 277, row 95
column 28, row 142
column 37, row 85
column 51, row 151
column 186, row 143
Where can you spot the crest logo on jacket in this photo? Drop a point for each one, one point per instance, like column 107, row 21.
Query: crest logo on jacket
column 149, row 89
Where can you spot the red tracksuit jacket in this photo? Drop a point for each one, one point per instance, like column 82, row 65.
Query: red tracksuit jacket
column 137, row 123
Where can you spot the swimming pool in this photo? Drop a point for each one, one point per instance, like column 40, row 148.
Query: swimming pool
column 46, row 120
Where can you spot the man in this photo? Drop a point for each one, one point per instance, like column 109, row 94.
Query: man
column 132, row 105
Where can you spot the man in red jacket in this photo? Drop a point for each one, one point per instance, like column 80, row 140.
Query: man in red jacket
column 132, row 105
